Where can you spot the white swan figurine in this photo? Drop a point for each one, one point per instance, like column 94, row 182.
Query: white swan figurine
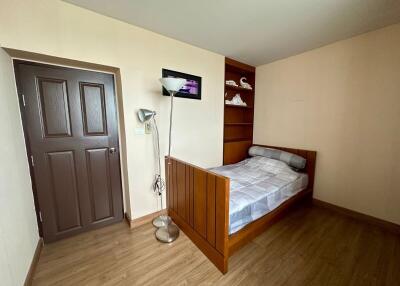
column 245, row 84
column 231, row 82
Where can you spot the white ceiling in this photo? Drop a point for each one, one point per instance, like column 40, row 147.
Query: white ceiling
column 253, row 31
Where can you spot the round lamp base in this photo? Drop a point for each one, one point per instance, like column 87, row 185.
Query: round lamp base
column 162, row 221
column 167, row 233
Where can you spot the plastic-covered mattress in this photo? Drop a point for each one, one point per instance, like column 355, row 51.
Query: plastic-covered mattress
column 258, row 185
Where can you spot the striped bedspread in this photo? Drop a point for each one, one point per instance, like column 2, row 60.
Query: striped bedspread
column 258, row 185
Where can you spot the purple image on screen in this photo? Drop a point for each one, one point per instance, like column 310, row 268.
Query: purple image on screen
column 191, row 87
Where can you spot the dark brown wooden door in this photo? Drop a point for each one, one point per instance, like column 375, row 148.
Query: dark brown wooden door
column 71, row 124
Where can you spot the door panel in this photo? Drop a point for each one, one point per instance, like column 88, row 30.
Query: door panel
column 99, row 183
column 93, row 108
column 71, row 124
column 54, row 108
column 64, row 190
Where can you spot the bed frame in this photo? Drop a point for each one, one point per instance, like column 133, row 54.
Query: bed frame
column 198, row 202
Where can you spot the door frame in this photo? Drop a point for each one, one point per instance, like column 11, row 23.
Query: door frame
column 21, row 102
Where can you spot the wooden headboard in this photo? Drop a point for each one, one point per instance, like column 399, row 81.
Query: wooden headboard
column 310, row 156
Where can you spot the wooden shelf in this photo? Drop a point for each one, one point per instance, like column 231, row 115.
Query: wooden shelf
column 238, row 88
column 239, row 123
column 238, row 106
column 238, row 119
column 233, row 65
column 227, row 140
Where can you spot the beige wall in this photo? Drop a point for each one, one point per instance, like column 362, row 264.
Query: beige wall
column 342, row 100
column 18, row 228
column 59, row 29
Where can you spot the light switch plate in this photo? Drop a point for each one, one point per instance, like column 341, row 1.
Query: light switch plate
column 147, row 128
column 139, row 131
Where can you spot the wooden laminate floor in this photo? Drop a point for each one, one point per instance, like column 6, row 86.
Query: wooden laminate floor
column 310, row 246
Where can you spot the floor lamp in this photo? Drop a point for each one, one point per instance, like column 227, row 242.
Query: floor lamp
column 145, row 116
column 168, row 232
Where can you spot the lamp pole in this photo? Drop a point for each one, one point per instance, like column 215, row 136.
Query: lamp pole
column 167, row 231
column 172, row 93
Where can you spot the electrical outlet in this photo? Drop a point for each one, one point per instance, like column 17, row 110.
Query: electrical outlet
column 147, row 128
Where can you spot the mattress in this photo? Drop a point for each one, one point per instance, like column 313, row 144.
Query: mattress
column 258, row 185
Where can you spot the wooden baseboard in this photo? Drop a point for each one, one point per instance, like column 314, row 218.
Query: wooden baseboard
column 390, row 226
column 35, row 260
column 134, row 223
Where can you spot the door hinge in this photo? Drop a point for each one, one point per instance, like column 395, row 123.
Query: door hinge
column 23, row 99
column 32, row 161
column 40, row 216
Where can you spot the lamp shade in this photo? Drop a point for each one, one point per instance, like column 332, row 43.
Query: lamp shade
column 145, row 115
column 172, row 84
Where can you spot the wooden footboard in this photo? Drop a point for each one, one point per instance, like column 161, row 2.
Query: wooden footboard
column 198, row 202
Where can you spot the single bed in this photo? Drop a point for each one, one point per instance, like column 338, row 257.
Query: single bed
column 258, row 185
column 223, row 208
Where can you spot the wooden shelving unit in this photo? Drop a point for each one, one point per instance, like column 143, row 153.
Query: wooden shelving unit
column 239, row 123
column 237, row 106
column 238, row 120
column 236, row 139
column 238, row 88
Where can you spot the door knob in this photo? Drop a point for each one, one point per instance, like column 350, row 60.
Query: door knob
column 113, row 150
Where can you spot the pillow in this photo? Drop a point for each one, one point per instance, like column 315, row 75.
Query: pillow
column 292, row 160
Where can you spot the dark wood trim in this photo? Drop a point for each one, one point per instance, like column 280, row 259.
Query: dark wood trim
column 239, row 123
column 387, row 225
column 42, row 59
column 240, row 65
column 238, row 106
column 128, row 220
column 134, row 223
column 35, row 260
column 27, row 143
